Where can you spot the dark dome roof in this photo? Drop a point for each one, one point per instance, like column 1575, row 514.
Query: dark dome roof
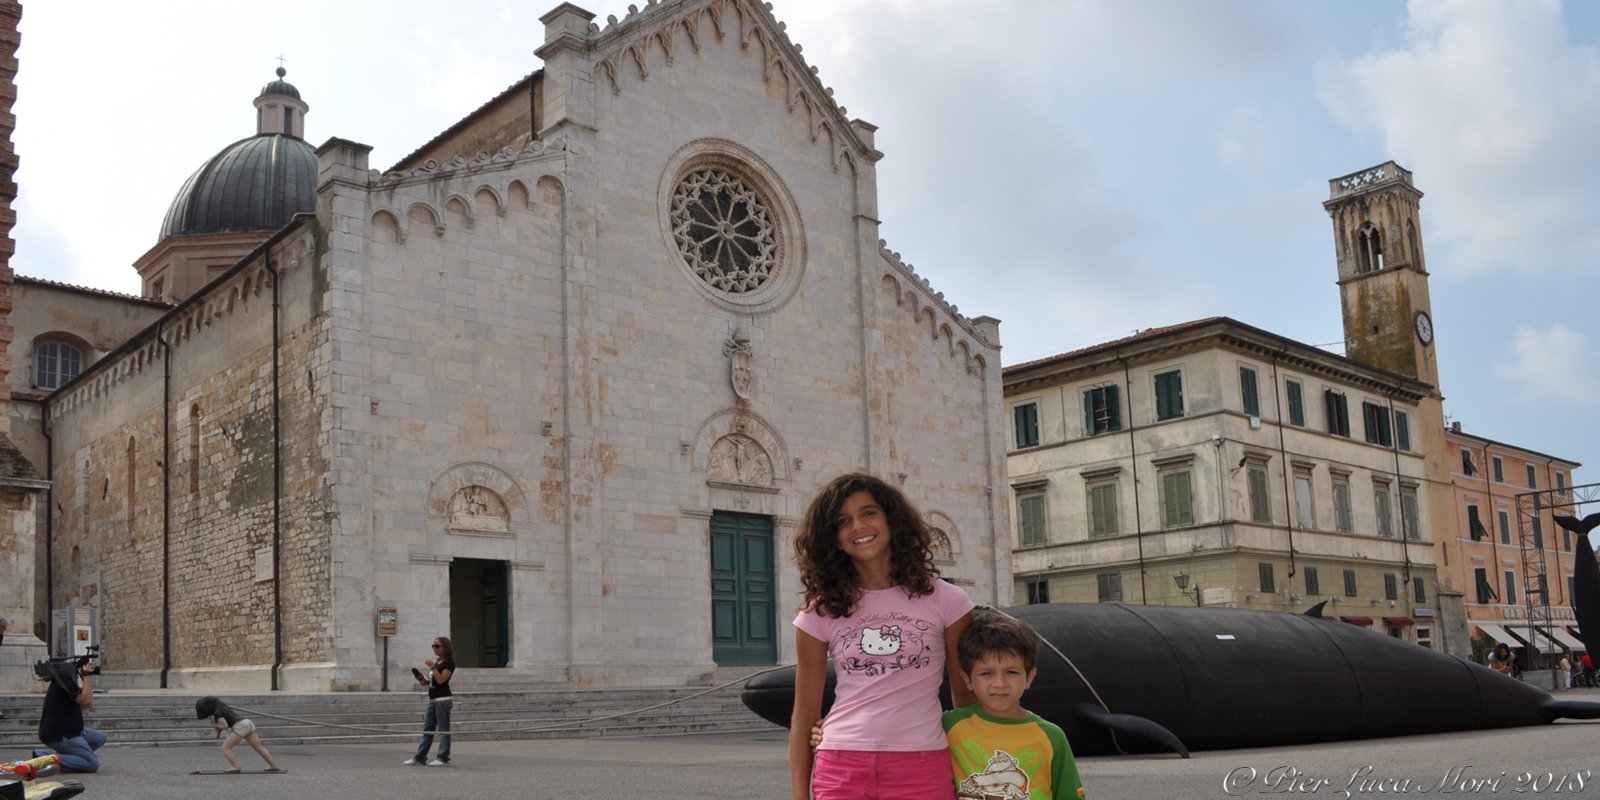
column 254, row 184
column 280, row 86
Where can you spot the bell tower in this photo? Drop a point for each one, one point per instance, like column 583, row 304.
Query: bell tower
column 1383, row 277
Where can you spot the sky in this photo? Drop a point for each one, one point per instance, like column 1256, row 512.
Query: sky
column 1078, row 169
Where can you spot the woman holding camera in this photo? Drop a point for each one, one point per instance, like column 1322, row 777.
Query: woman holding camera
column 440, row 668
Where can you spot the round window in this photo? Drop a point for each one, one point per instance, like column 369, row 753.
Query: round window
column 725, row 231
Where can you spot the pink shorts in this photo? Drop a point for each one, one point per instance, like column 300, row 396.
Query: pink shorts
column 859, row 775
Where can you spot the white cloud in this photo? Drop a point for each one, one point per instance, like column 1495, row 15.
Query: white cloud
column 1557, row 365
column 1495, row 105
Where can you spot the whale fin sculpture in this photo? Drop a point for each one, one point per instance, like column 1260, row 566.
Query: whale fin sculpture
column 1586, row 580
column 1131, row 725
column 1216, row 678
column 1315, row 611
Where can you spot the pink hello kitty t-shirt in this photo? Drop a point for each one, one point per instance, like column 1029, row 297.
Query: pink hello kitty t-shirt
column 888, row 659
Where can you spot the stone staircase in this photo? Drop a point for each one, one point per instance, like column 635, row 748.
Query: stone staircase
column 489, row 710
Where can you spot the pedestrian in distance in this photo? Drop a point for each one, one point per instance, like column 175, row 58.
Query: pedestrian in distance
column 238, row 728
column 440, row 700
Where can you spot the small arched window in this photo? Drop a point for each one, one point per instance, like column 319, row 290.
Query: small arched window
column 1411, row 241
column 1369, row 249
column 55, row 363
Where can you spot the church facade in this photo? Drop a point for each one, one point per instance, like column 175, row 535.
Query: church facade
column 559, row 386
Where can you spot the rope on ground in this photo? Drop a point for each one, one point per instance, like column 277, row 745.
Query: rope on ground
column 252, row 712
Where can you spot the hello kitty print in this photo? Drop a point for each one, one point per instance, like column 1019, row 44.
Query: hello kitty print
column 882, row 643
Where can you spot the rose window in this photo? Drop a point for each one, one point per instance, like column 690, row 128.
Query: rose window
column 724, row 230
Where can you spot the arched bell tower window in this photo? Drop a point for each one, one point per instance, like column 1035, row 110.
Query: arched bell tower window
column 1369, row 249
column 55, row 363
column 1412, row 246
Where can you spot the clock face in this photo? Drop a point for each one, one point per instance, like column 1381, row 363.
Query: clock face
column 1424, row 327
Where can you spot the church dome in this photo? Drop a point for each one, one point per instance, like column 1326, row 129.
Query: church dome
column 254, row 184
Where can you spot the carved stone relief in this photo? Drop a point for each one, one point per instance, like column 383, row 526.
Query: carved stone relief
column 741, row 363
column 737, row 458
column 478, row 508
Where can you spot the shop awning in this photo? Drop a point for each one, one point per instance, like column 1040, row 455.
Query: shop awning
column 1498, row 634
column 1398, row 622
column 1358, row 620
column 1572, row 642
column 1540, row 640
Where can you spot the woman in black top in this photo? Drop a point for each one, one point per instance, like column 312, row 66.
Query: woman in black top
column 239, row 728
column 440, row 668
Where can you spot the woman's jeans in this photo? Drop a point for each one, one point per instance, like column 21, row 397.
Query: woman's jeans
column 438, row 719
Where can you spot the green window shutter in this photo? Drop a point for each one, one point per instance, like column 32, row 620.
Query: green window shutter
column 1247, row 390
column 1030, row 515
column 1088, row 413
column 1026, row 419
column 1169, row 395
column 1475, row 526
column 1114, row 406
column 1330, row 408
column 1260, row 507
column 1297, row 404
column 1402, row 430
column 1349, row 583
column 1178, row 506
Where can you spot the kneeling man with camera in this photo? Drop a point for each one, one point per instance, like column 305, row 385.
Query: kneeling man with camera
column 61, row 722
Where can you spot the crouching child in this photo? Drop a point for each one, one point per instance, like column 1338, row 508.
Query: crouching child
column 225, row 719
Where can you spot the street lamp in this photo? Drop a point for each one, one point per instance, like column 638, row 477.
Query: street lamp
column 1183, row 586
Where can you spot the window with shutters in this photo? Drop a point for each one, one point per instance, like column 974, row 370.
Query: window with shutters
column 1410, row 515
column 1110, row 586
column 1380, row 506
column 1038, row 592
column 1505, row 527
column 1375, row 419
column 1264, row 573
column 1467, row 467
column 1499, row 470
column 1304, row 504
column 1103, row 509
column 1260, row 498
column 1511, row 587
column 1349, row 583
column 1538, row 533
column 1169, row 395
column 1338, row 412
column 1341, row 504
column 1102, row 412
column 1247, row 391
column 1177, row 501
column 1312, row 587
column 1485, row 591
column 1391, row 587
column 1402, row 430
column 1030, row 518
column 1025, row 424
column 1474, row 525
column 1297, row 403
column 1533, row 478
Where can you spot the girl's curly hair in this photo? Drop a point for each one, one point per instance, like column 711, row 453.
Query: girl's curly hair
column 828, row 577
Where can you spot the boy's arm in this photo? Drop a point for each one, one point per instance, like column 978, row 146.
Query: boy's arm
column 1064, row 781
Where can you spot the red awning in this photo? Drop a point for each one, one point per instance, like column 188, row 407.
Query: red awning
column 1398, row 622
column 1358, row 620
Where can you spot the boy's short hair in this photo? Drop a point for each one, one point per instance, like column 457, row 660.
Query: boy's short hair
column 992, row 632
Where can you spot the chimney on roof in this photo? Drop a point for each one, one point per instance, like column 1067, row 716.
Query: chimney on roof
column 1455, row 427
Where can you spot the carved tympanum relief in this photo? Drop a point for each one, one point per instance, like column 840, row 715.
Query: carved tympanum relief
column 478, row 508
column 737, row 458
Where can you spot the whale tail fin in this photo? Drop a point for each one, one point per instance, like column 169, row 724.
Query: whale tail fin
column 1586, row 588
column 1316, row 610
column 1131, row 725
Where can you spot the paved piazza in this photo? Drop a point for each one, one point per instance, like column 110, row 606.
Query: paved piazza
column 752, row 766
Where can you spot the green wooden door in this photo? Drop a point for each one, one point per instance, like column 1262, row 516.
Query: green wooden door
column 742, row 589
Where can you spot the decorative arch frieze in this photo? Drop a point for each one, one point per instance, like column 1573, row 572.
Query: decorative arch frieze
column 928, row 312
column 737, row 447
column 946, row 537
column 477, row 498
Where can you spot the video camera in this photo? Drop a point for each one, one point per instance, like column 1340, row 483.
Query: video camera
column 66, row 669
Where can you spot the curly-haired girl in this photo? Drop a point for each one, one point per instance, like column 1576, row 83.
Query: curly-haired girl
column 875, row 603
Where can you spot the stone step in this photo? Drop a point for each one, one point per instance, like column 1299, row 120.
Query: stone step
column 166, row 718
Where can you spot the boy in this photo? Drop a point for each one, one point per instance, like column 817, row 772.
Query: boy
column 998, row 749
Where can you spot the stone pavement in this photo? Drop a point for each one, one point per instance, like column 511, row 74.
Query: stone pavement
column 753, row 766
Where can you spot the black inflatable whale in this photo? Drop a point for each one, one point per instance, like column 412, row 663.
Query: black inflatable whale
column 1166, row 678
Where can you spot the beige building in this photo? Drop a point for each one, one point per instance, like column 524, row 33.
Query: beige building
column 558, row 385
column 1218, row 464
column 1505, row 542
